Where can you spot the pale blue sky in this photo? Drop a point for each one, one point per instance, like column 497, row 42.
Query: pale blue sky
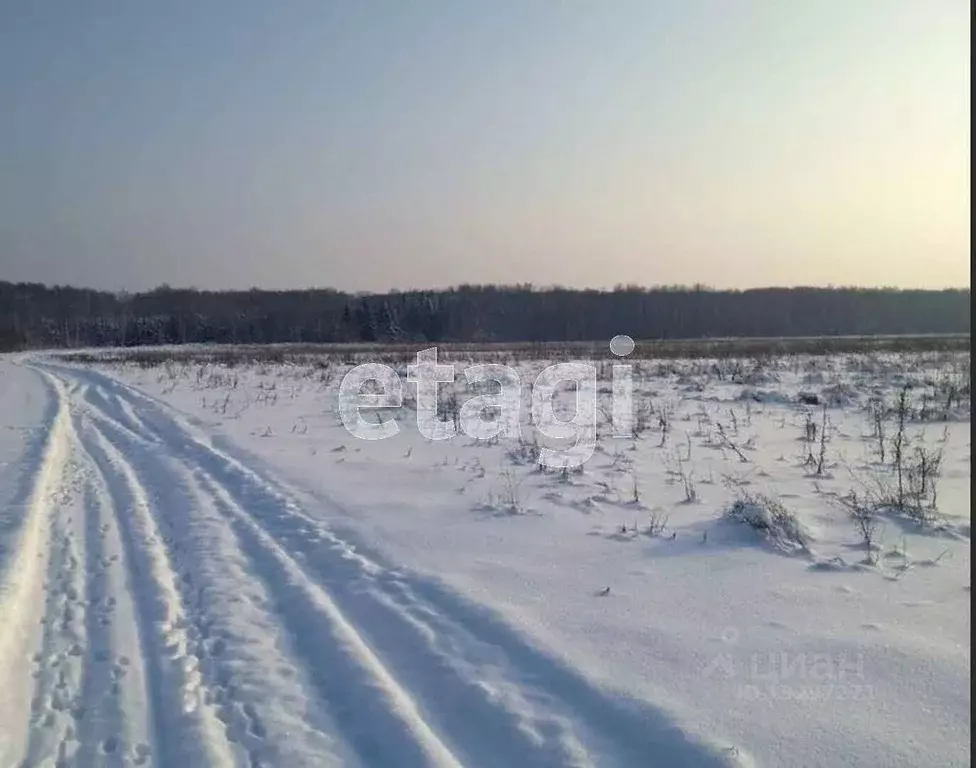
column 367, row 145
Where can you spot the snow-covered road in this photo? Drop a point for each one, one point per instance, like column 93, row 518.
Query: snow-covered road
column 167, row 602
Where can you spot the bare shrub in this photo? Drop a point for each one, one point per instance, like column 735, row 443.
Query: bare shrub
column 687, row 479
column 921, row 496
column 525, row 451
column 448, row 407
column 657, row 522
column 725, row 441
column 911, row 488
column 822, row 457
column 810, row 428
column 899, row 445
column 770, row 518
column 864, row 517
column 510, row 492
column 642, row 417
column 691, row 492
column 879, row 414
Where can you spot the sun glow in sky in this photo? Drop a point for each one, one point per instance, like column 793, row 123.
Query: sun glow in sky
column 379, row 144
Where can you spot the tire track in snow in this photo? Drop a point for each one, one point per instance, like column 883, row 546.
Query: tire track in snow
column 479, row 722
column 117, row 727
column 71, row 617
column 130, row 415
column 358, row 696
column 454, row 675
column 97, row 407
column 57, row 704
column 348, row 671
column 22, row 587
column 179, row 705
column 501, row 690
column 249, row 683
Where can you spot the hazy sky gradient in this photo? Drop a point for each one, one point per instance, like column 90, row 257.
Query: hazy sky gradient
column 412, row 143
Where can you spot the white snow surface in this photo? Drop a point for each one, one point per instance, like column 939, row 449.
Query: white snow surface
column 200, row 566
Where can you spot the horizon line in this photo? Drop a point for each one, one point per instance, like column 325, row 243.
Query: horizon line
column 522, row 286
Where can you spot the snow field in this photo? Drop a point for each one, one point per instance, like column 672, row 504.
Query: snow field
column 202, row 567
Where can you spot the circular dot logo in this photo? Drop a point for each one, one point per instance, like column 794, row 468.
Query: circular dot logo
column 621, row 345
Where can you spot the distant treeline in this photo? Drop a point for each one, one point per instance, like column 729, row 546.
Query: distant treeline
column 38, row 316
